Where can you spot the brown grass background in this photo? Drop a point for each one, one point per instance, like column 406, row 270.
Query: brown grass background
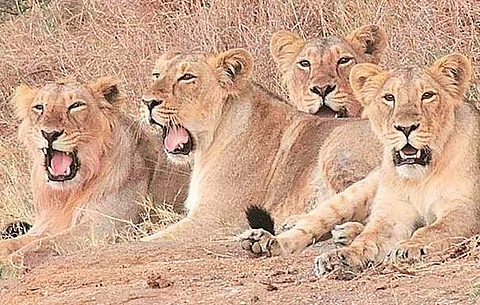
column 45, row 40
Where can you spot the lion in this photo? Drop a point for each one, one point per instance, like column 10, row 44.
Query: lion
column 424, row 196
column 315, row 71
column 245, row 144
column 93, row 165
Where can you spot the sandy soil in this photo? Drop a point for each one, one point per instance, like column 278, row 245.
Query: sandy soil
column 219, row 272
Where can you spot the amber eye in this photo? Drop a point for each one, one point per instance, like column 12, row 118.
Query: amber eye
column 304, row 63
column 428, row 96
column 38, row 108
column 187, row 77
column 344, row 60
column 76, row 105
column 389, row 99
column 155, row 76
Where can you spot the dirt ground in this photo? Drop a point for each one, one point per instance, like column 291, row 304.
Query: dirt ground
column 219, row 272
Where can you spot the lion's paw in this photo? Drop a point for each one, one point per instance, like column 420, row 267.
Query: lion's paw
column 407, row 251
column 343, row 264
column 259, row 242
column 344, row 234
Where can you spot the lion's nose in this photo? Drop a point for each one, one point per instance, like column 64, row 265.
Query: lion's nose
column 51, row 136
column 406, row 130
column 151, row 103
column 322, row 91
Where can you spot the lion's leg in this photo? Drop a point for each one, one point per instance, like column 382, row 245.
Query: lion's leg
column 350, row 205
column 344, row 234
column 182, row 229
column 452, row 227
column 388, row 224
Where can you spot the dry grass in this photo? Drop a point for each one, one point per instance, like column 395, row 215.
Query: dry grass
column 86, row 39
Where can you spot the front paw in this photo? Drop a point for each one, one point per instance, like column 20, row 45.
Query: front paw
column 407, row 251
column 343, row 264
column 344, row 234
column 259, row 242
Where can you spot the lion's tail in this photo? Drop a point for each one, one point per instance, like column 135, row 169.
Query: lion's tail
column 15, row 229
column 260, row 218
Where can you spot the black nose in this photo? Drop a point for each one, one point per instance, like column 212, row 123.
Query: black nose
column 151, row 103
column 51, row 136
column 322, row 91
column 407, row 130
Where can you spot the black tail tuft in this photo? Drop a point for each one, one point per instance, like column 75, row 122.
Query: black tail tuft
column 15, row 229
column 259, row 218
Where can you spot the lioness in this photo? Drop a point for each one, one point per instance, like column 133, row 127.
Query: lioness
column 425, row 193
column 315, row 71
column 247, row 146
column 92, row 166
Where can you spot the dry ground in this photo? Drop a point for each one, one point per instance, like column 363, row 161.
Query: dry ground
column 42, row 40
column 217, row 272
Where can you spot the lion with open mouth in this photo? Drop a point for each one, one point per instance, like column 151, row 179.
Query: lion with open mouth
column 246, row 145
column 424, row 197
column 93, row 165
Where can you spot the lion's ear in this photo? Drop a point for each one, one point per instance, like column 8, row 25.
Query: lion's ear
column 284, row 47
column 108, row 87
column 360, row 74
column 369, row 39
column 234, row 68
column 22, row 100
column 453, row 72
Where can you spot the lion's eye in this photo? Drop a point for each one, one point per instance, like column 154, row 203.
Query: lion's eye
column 187, row 77
column 304, row 63
column 389, row 99
column 428, row 96
column 38, row 108
column 155, row 76
column 344, row 60
column 76, row 105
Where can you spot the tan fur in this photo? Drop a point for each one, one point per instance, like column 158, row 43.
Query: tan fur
column 413, row 209
column 365, row 44
column 120, row 165
column 249, row 147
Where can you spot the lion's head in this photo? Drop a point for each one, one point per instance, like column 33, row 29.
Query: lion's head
column 316, row 71
column 66, row 128
column 187, row 96
column 413, row 110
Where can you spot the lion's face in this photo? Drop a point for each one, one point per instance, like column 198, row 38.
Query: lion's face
column 413, row 110
column 187, row 95
column 316, row 71
column 66, row 128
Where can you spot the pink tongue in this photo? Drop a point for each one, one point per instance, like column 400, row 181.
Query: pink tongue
column 60, row 163
column 175, row 137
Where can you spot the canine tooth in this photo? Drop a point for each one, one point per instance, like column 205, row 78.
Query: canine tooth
column 44, row 150
column 68, row 171
column 418, row 154
column 402, row 155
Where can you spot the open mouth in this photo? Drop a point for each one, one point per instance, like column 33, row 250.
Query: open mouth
column 327, row 112
column 177, row 140
column 60, row 165
column 409, row 155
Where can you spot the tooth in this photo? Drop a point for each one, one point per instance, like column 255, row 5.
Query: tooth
column 419, row 154
column 402, row 155
column 68, row 171
column 180, row 146
column 50, row 170
column 44, row 150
